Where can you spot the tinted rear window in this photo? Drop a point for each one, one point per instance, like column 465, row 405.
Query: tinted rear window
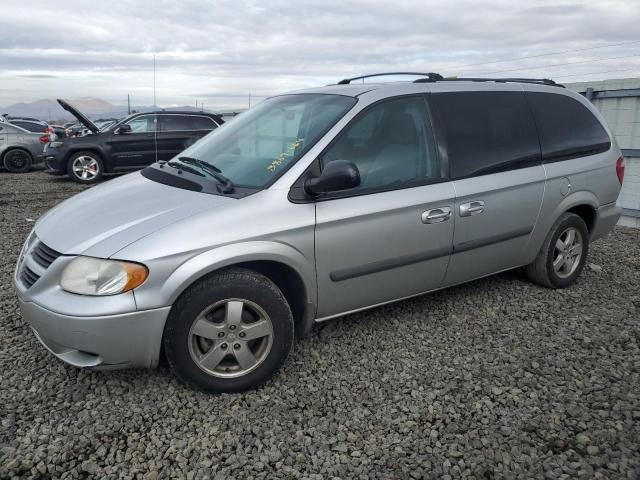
column 181, row 123
column 567, row 128
column 486, row 132
column 175, row 123
column 202, row 123
column 30, row 127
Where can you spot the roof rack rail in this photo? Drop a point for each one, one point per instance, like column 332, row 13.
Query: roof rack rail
column 429, row 77
column 537, row 81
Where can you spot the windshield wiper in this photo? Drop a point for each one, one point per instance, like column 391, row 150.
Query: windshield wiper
column 226, row 185
column 180, row 168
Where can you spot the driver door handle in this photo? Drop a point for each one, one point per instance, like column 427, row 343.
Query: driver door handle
column 471, row 208
column 436, row 215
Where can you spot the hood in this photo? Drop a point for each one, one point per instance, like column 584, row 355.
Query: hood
column 79, row 115
column 107, row 218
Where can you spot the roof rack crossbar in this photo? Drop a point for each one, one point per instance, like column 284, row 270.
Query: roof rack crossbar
column 537, row 81
column 431, row 77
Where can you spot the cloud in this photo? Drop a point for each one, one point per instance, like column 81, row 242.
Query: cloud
column 222, row 51
column 35, row 75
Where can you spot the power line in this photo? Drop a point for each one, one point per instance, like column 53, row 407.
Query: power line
column 597, row 73
column 551, row 53
column 553, row 65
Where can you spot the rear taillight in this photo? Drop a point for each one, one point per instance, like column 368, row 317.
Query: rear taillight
column 44, row 139
column 620, row 169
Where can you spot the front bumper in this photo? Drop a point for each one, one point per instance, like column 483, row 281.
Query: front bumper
column 107, row 341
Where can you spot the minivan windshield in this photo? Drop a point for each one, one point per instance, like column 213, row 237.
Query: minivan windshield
column 257, row 146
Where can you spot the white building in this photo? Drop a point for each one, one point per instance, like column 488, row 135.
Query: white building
column 619, row 103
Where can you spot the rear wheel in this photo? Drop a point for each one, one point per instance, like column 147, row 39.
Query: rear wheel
column 230, row 332
column 85, row 167
column 18, row 161
column 563, row 254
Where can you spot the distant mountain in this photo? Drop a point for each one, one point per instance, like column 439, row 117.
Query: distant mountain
column 49, row 108
column 94, row 108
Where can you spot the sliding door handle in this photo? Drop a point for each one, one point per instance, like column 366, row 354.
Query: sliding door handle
column 471, row 208
column 436, row 215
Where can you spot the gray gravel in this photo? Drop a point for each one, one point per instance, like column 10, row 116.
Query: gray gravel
column 495, row 379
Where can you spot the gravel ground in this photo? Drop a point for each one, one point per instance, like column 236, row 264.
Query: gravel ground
column 498, row 378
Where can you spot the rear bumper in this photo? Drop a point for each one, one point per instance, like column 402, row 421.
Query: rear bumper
column 105, row 342
column 607, row 217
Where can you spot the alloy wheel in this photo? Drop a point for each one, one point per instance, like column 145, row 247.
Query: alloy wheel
column 230, row 338
column 567, row 252
column 85, row 167
column 16, row 159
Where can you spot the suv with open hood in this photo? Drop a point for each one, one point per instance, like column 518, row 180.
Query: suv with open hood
column 133, row 143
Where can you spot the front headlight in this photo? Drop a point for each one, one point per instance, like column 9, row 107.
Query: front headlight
column 95, row 276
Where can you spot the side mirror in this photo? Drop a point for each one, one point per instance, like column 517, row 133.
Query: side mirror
column 335, row 176
column 124, row 129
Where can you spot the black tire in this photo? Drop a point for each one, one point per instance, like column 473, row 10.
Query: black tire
column 92, row 175
column 17, row 161
column 229, row 284
column 541, row 271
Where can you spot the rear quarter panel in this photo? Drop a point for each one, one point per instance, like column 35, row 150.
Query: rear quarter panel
column 589, row 180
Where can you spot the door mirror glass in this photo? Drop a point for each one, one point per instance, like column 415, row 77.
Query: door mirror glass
column 336, row 175
column 124, row 129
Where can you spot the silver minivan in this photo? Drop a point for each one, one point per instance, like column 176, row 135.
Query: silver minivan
column 313, row 205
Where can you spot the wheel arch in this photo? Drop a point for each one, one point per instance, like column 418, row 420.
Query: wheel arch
column 285, row 266
column 16, row 147
column 582, row 203
column 587, row 212
column 91, row 148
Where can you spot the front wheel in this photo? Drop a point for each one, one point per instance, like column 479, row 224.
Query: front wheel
column 563, row 253
column 85, row 167
column 229, row 332
column 18, row 161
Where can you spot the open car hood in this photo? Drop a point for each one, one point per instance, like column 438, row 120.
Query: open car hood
column 79, row 115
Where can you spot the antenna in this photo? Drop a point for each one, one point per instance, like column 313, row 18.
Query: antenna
column 155, row 103
column 155, row 106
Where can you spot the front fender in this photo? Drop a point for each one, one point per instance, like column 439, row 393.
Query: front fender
column 160, row 293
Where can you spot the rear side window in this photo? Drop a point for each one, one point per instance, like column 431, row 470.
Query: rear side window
column 486, row 132
column 567, row 128
column 202, row 123
column 175, row 123
column 30, row 127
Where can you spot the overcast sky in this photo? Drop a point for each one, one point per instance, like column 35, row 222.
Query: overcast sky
column 218, row 52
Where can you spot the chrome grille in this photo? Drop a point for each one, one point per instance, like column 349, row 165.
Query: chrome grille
column 44, row 255
column 35, row 261
column 28, row 276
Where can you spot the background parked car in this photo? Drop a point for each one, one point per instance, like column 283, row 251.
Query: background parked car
column 37, row 126
column 131, row 144
column 34, row 126
column 19, row 148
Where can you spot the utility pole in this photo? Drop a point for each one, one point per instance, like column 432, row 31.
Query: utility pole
column 249, row 100
column 128, row 104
